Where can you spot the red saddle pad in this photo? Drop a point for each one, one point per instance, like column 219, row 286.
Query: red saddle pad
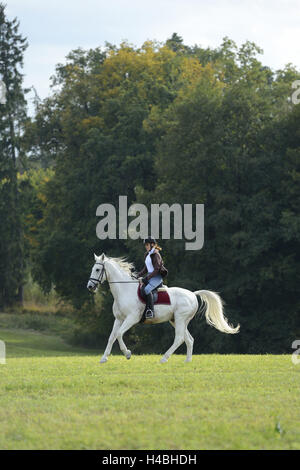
column 162, row 298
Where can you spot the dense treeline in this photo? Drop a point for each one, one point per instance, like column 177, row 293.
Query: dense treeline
column 176, row 124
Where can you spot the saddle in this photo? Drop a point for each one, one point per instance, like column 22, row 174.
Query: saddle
column 160, row 295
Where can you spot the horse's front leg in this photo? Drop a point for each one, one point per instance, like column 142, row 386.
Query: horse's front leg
column 111, row 340
column 126, row 325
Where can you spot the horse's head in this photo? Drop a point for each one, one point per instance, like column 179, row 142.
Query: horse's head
column 98, row 274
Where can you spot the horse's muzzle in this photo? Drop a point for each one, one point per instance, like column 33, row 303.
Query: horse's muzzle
column 91, row 287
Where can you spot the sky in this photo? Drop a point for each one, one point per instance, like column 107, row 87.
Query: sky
column 55, row 28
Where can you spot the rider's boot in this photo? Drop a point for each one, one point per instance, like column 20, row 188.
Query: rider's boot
column 149, row 306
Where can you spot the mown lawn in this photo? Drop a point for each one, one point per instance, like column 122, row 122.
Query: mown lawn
column 53, row 396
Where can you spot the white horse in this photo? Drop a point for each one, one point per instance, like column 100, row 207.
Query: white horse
column 128, row 309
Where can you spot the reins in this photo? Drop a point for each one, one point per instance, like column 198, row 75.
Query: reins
column 110, row 282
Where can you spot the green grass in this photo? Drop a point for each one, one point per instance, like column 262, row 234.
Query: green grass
column 45, row 322
column 53, row 396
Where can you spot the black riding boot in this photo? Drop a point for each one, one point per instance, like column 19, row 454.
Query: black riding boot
column 149, row 306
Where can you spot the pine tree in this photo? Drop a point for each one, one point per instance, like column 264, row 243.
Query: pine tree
column 12, row 116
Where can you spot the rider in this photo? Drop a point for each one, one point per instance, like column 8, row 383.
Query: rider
column 154, row 270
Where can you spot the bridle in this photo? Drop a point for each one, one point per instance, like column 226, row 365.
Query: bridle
column 103, row 271
column 99, row 280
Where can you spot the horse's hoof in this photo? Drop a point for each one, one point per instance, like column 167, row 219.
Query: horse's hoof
column 188, row 360
column 163, row 360
column 104, row 359
column 128, row 354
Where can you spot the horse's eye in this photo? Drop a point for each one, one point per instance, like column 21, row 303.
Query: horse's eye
column 97, row 270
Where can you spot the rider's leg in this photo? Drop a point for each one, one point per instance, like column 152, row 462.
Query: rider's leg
column 152, row 284
column 149, row 306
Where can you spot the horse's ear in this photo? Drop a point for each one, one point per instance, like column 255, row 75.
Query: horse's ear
column 95, row 256
column 102, row 256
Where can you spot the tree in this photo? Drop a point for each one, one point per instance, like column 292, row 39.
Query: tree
column 13, row 114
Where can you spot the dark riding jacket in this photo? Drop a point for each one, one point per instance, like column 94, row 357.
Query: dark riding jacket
column 158, row 266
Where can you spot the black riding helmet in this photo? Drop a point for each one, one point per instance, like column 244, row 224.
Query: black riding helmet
column 149, row 240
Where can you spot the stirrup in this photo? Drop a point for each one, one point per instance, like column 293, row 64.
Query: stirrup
column 149, row 313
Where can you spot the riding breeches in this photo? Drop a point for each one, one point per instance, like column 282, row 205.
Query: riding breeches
column 153, row 282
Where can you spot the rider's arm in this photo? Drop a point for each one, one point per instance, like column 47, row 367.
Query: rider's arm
column 142, row 272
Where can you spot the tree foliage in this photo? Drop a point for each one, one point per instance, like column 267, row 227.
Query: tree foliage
column 12, row 118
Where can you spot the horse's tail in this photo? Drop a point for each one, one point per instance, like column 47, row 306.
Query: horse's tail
column 214, row 313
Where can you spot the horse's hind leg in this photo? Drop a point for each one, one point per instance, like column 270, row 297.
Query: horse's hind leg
column 189, row 341
column 179, row 338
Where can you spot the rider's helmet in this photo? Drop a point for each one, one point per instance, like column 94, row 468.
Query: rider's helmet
column 149, row 240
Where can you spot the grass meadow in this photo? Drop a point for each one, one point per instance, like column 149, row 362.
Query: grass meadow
column 54, row 396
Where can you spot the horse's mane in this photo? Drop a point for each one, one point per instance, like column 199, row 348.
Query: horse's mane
column 125, row 265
